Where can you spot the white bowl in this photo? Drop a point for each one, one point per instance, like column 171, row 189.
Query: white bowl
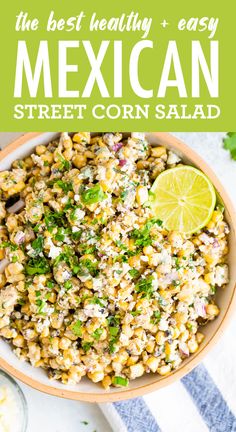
column 86, row 390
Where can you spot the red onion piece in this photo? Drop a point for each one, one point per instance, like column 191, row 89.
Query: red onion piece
column 122, row 162
column 3, row 264
column 19, row 205
column 19, row 237
column 184, row 349
column 200, row 308
column 215, row 243
column 117, row 146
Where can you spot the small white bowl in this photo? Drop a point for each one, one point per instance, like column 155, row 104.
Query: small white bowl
column 20, row 413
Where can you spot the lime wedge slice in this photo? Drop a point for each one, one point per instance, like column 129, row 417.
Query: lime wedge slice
column 183, row 198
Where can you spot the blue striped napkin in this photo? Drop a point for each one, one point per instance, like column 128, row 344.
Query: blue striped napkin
column 205, row 399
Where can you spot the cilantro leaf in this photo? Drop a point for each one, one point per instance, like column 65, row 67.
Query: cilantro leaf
column 37, row 265
column 145, row 287
column 97, row 333
column 134, row 273
column 65, row 186
column 76, row 329
column 230, row 144
column 86, row 346
column 142, row 237
column 120, row 381
column 93, row 195
column 37, row 244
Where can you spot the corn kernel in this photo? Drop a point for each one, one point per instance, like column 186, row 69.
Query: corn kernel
column 192, row 345
column 212, row 310
column 164, row 370
column 157, row 152
column 152, row 363
column 141, row 195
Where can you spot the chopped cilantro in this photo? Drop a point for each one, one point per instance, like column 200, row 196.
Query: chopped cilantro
column 73, row 216
column 142, row 236
column 124, row 194
column 156, row 317
column 136, row 312
column 75, row 235
column 96, row 300
column 87, row 249
column 189, row 326
column 114, row 328
column 114, row 331
column 213, row 289
column 50, row 284
column 230, row 144
column 145, row 287
column 40, row 303
column 21, row 302
column 177, row 265
column 86, row 346
column 37, row 244
column 8, row 244
column 54, row 220
column 68, row 285
column 35, row 228
column 69, row 258
column 91, row 266
column 134, row 273
column 97, row 334
column 121, row 245
column 38, row 265
column 119, row 271
column 62, row 233
column 76, row 329
column 65, row 164
column 14, row 259
column 112, row 345
column 65, row 186
column 118, row 380
column 93, row 195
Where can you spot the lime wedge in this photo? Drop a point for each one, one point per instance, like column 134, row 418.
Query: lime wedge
column 183, row 198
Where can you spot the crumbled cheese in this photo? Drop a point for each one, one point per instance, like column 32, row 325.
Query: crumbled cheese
column 75, row 229
column 97, row 283
column 64, row 200
column 66, row 275
column 37, row 160
column 79, row 214
column 54, row 250
column 94, row 310
column 163, row 324
column 172, row 158
column 138, row 135
column 144, row 258
column 221, row 275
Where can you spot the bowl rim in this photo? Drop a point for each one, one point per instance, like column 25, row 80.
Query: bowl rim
column 21, row 398
column 165, row 139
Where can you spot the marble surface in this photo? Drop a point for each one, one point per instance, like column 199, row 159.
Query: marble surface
column 51, row 414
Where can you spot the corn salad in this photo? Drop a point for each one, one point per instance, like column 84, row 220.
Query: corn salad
column 95, row 285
